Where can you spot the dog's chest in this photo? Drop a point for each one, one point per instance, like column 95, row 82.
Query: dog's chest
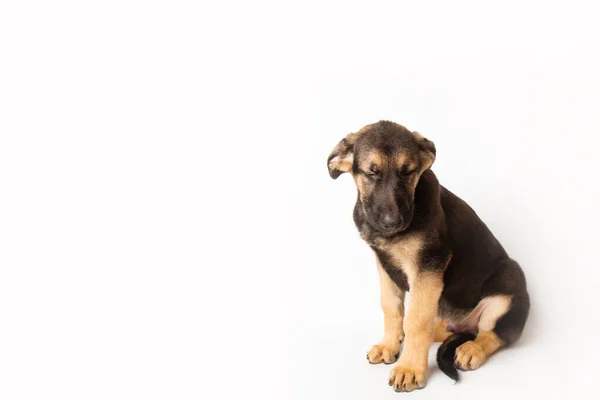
column 400, row 259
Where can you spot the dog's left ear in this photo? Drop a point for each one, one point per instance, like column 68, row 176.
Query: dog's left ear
column 341, row 158
column 427, row 149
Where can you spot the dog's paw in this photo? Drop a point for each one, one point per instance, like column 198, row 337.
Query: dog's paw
column 406, row 379
column 383, row 353
column 469, row 356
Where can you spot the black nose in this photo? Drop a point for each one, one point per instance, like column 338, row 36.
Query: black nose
column 390, row 221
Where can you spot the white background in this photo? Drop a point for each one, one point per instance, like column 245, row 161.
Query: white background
column 168, row 229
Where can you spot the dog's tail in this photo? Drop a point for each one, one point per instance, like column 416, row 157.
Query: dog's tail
column 447, row 351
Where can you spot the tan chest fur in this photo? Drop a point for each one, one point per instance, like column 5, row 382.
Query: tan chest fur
column 405, row 255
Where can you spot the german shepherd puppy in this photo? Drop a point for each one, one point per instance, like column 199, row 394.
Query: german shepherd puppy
column 465, row 290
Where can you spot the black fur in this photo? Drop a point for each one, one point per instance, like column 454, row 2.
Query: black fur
column 447, row 351
column 396, row 274
column 456, row 243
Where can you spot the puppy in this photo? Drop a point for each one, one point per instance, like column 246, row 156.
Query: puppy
column 465, row 290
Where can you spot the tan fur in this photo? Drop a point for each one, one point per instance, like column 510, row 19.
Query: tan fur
column 404, row 255
column 493, row 308
column 363, row 185
column 483, row 317
column 472, row 354
column 405, row 159
column 342, row 162
column 371, row 158
column 392, row 304
column 413, row 181
column 345, row 157
column 427, row 157
column 417, row 136
column 425, row 289
column 439, row 330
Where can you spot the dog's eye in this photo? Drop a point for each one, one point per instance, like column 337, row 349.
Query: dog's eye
column 406, row 171
column 373, row 168
column 372, row 172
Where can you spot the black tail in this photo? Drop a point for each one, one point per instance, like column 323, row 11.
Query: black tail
column 447, row 351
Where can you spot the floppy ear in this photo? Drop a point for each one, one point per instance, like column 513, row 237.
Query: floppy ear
column 342, row 156
column 427, row 149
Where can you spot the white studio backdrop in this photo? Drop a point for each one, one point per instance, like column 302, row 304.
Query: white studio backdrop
column 168, row 228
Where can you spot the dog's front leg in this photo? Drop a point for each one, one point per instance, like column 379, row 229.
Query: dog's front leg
column 392, row 304
column 410, row 373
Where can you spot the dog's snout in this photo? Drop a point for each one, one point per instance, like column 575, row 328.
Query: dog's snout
column 391, row 220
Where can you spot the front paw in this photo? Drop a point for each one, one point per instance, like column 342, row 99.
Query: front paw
column 406, row 379
column 383, row 352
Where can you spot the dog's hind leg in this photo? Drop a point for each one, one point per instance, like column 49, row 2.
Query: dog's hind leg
column 440, row 332
column 472, row 354
column 502, row 317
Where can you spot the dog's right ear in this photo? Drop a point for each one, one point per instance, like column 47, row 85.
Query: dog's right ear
column 342, row 156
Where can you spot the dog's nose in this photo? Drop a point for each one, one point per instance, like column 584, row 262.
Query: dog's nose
column 390, row 220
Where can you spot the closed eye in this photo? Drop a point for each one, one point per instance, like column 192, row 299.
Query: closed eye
column 371, row 174
column 406, row 171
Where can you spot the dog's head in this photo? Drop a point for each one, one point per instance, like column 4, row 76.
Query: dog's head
column 386, row 161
